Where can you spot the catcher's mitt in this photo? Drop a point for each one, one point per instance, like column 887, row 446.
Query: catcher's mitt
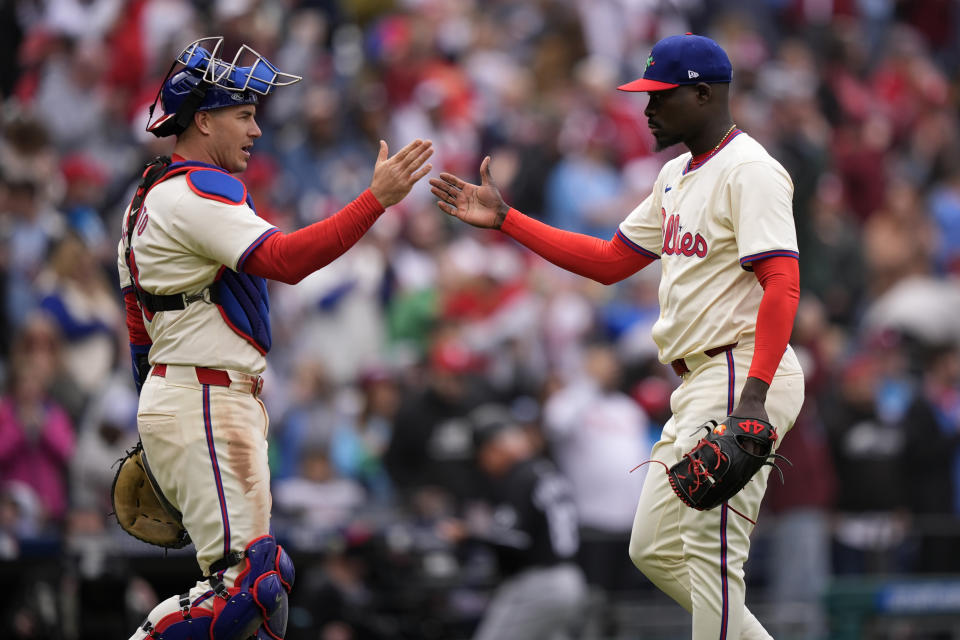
column 140, row 507
column 724, row 460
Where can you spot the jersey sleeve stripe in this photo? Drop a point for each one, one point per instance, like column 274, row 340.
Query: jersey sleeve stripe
column 634, row 246
column 256, row 243
column 776, row 253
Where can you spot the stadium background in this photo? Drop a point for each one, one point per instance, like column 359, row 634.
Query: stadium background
column 857, row 98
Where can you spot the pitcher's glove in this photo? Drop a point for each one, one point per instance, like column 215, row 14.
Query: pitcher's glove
column 140, row 507
column 724, row 460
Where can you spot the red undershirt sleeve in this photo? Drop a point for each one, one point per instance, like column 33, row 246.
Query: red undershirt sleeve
column 138, row 333
column 291, row 257
column 606, row 261
column 780, row 279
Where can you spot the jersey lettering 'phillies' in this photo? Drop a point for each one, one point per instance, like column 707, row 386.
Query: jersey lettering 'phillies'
column 674, row 243
column 707, row 224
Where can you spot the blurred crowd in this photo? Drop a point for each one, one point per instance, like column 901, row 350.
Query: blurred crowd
column 379, row 357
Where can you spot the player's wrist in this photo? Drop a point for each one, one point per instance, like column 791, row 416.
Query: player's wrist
column 753, row 399
column 369, row 202
column 502, row 210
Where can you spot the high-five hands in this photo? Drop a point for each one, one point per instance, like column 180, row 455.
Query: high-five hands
column 482, row 206
column 394, row 177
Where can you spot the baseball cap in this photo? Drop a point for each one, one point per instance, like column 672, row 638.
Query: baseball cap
column 488, row 421
column 685, row 59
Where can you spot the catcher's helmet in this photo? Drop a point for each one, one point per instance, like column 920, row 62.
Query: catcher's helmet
column 207, row 82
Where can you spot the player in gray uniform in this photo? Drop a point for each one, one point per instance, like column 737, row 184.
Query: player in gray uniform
column 193, row 262
column 532, row 530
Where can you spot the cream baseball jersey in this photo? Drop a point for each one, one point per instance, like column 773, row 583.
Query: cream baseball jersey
column 184, row 236
column 708, row 223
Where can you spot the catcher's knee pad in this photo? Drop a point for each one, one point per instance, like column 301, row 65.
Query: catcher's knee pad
column 257, row 603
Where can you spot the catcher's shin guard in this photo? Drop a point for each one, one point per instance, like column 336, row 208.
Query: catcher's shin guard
column 258, row 597
column 256, row 605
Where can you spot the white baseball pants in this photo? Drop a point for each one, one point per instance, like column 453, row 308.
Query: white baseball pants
column 697, row 557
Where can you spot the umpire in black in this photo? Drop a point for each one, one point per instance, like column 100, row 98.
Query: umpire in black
column 532, row 531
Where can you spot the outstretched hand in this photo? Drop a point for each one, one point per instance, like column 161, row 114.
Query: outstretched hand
column 394, row 177
column 482, row 206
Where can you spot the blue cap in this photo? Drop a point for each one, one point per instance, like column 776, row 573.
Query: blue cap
column 686, row 59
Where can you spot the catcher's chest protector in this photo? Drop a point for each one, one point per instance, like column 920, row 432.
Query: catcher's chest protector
column 241, row 298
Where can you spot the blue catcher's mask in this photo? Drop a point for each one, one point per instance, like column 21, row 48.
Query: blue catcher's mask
column 207, row 82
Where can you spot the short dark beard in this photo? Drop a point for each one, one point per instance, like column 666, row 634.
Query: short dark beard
column 665, row 142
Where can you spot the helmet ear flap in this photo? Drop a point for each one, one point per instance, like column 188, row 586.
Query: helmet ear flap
column 190, row 105
column 177, row 122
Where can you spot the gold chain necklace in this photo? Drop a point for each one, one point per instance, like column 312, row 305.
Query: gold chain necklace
column 732, row 127
column 695, row 162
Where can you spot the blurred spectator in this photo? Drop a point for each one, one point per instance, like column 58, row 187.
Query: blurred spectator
column 85, row 180
column 73, row 76
column 36, row 436
column 896, row 310
column 317, row 503
column 568, row 318
column 483, row 291
column 22, row 517
column 944, row 203
column 898, row 239
column 628, row 317
column 799, row 565
column 584, row 187
column 310, row 417
column 338, row 601
column 77, row 295
column 597, row 434
column 27, row 154
column 860, row 155
column 360, row 439
column 330, row 164
column 932, row 454
column 837, row 276
column 413, row 303
column 29, row 227
column 431, row 448
column 108, row 430
column 870, row 530
column 338, row 313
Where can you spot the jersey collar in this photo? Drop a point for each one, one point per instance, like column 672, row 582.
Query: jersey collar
column 698, row 161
